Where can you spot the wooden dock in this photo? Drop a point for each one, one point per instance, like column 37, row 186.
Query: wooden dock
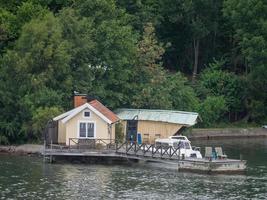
column 168, row 157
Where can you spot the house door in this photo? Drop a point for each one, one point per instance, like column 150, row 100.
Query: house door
column 132, row 130
column 51, row 132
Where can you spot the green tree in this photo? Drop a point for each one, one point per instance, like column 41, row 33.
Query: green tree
column 34, row 75
column 7, row 27
column 79, row 32
column 114, row 53
column 142, row 12
column 216, row 82
column 248, row 20
column 12, row 20
column 150, row 77
column 192, row 28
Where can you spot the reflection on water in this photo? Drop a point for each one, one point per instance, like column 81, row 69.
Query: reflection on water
column 29, row 178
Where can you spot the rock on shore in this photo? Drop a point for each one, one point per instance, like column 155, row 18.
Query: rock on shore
column 22, row 149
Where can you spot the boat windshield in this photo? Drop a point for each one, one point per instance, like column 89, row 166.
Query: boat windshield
column 184, row 145
column 187, row 146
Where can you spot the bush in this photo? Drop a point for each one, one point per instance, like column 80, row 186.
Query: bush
column 119, row 133
column 40, row 118
column 3, row 140
column 211, row 110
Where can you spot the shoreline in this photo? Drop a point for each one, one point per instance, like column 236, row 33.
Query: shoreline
column 198, row 133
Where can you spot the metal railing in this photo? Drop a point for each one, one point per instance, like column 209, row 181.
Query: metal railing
column 147, row 150
column 113, row 146
column 81, row 144
column 89, row 143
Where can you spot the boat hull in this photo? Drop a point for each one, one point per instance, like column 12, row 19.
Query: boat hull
column 214, row 166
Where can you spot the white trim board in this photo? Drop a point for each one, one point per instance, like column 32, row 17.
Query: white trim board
column 70, row 114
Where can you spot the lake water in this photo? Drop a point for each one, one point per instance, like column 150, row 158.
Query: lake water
column 25, row 177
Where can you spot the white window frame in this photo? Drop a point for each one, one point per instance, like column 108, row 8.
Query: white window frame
column 78, row 129
column 84, row 113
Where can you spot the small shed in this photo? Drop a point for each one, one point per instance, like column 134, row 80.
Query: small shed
column 90, row 120
column 153, row 124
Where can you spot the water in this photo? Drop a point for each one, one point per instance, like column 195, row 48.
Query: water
column 25, row 177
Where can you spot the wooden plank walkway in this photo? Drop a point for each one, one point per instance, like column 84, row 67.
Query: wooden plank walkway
column 111, row 148
column 122, row 150
column 168, row 156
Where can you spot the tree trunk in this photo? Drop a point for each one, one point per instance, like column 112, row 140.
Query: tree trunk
column 196, row 52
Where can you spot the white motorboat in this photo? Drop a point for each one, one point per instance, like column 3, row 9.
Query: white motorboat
column 186, row 150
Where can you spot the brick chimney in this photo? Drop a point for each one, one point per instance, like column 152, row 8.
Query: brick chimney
column 79, row 99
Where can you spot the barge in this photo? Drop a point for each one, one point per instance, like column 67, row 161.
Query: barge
column 190, row 158
column 218, row 166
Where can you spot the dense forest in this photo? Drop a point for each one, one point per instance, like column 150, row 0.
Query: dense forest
column 207, row 56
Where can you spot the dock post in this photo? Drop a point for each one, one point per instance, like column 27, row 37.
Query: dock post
column 44, row 151
column 179, row 154
column 51, row 148
column 51, row 159
column 126, row 147
column 116, row 146
column 241, row 157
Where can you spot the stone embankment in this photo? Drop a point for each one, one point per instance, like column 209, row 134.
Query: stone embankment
column 22, row 149
column 227, row 133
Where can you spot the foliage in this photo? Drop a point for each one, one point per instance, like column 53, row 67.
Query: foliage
column 34, row 74
column 119, row 132
column 40, row 118
column 3, row 139
column 139, row 54
column 183, row 96
column 150, row 77
column 249, row 22
column 217, row 82
column 211, row 110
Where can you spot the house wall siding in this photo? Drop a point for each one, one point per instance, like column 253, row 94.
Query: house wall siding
column 101, row 127
column 151, row 130
column 154, row 129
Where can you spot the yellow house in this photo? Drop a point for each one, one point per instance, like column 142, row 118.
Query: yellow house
column 147, row 125
column 88, row 120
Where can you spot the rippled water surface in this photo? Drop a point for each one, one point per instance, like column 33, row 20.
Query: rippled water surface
column 24, row 177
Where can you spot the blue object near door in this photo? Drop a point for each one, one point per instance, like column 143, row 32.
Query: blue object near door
column 139, row 138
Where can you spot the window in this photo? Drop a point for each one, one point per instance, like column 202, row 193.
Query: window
column 82, row 129
column 86, row 130
column 86, row 114
column 157, row 136
column 90, row 129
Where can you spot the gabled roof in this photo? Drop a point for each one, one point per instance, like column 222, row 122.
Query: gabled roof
column 104, row 110
column 170, row 116
column 96, row 107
